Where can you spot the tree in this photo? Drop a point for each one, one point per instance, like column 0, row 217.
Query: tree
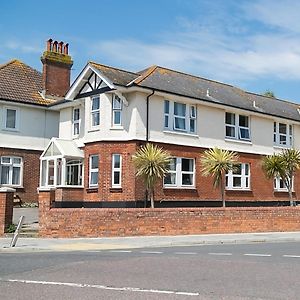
column 269, row 93
column 151, row 163
column 217, row 162
column 283, row 165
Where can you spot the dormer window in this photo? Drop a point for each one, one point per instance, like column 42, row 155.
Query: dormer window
column 95, row 111
column 283, row 135
column 237, row 126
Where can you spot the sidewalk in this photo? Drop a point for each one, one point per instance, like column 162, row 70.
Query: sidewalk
column 94, row 244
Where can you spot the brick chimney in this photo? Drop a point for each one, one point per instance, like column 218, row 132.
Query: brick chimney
column 56, row 69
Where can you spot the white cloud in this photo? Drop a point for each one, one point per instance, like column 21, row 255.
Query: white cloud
column 24, row 47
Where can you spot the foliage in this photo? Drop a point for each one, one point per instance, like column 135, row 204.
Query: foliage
column 217, row 162
column 151, row 163
column 269, row 93
column 283, row 165
column 11, row 228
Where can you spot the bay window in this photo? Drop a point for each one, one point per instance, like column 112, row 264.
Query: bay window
column 116, row 170
column 181, row 173
column 11, row 170
column 238, row 178
column 93, row 171
column 280, row 186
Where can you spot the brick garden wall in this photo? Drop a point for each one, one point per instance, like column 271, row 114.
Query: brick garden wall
column 31, row 172
column 6, row 209
column 81, row 222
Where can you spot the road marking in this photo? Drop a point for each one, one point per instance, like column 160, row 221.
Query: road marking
column 151, row 252
column 295, row 256
column 257, row 254
column 186, row 253
column 219, row 253
column 120, row 251
column 103, row 287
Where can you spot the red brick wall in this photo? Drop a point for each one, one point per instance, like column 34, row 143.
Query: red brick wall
column 69, row 194
column 31, row 172
column 6, row 210
column 65, row 222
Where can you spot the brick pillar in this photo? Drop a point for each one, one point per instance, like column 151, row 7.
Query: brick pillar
column 6, row 208
column 46, row 197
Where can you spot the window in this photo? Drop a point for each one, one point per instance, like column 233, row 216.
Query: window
column 181, row 173
column 116, row 170
column 239, row 178
column 74, row 172
column 117, row 111
column 280, row 186
column 76, row 121
column 94, row 169
column 283, row 134
column 11, row 169
column 95, row 111
column 237, row 126
column 11, row 119
column 180, row 116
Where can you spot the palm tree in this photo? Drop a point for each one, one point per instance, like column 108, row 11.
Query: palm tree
column 283, row 165
column 151, row 163
column 217, row 162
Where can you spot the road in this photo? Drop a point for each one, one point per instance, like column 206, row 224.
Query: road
column 243, row 271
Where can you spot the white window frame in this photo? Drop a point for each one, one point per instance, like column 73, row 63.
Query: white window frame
column 95, row 111
column 288, row 135
column 230, row 178
column 77, row 122
column 69, row 165
column 237, row 127
column 179, row 173
column 12, row 165
column 17, row 125
column 93, row 170
column 277, row 187
column 115, row 170
column 170, row 117
column 116, row 109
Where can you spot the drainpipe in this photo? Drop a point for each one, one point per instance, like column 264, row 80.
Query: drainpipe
column 147, row 115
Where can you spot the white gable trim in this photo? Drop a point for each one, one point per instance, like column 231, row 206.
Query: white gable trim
column 80, row 81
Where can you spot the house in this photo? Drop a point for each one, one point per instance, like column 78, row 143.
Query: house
column 108, row 113
column 26, row 121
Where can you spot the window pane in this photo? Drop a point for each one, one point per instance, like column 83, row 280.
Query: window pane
column 243, row 121
column 94, row 178
column 16, row 175
column 166, row 121
column 170, row 179
column 51, row 172
column 17, row 160
column 95, row 103
column 117, row 117
column 244, row 134
column 179, row 109
column 291, row 130
column 274, row 127
column 230, row 131
column 237, row 181
column 5, row 160
column 246, row 169
column 117, row 104
column 94, row 162
column 193, row 112
column 237, row 169
column 179, row 123
column 5, row 175
column 282, row 139
column 187, row 164
column 116, row 177
column 95, row 119
column 187, row 179
column 76, row 114
column 76, row 128
column 11, row 118
column 117, row 160
column 230, row 118
column 167, row 107
column 192, row 125
column 172, row 165
column 282, row 128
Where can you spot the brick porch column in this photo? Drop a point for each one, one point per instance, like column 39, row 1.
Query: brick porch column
column 6, row 208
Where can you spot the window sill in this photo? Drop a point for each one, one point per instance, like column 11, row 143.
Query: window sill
column 12, row 186
column 117, row 127
column 179, row 188
column 68, row 187
column 282, row 191
column 181, row 133
column 92, row 189
column 237, row 190
column 237, row 141
column 281, row 147
column 116, row 190
column 94, row 129
column 11, row 129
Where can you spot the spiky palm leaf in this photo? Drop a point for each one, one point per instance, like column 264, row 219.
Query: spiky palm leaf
column 151, row 163
column 217, row 162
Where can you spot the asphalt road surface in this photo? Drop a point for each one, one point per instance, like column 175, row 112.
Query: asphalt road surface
column 248, row 271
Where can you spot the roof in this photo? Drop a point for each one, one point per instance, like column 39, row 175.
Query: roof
column 117, row 76
column 178, row 83
column 21, row 83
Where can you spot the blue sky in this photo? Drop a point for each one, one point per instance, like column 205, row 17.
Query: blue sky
column 254, row 45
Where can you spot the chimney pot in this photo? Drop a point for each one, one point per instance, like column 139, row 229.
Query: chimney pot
column 66, row 49
column 60, row 47
column 54, row 48
column 49, row 45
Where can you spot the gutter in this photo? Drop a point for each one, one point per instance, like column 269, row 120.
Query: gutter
column 147, row 115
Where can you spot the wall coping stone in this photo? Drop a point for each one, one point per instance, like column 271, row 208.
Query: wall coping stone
column 7, row 190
